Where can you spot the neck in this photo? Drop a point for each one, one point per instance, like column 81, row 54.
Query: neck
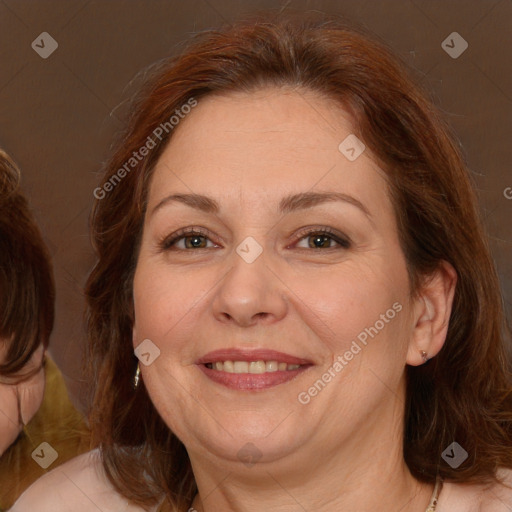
column 365, row 473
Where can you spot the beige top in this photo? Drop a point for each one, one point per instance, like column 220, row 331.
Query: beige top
column 477, row 498
column 81, row 486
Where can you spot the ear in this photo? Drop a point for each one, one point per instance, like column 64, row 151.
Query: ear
column 432, row 309
column 134, row 326
column 134, row 336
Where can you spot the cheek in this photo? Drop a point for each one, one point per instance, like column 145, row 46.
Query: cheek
column 31, row 396
column 9, row 415
column 342, row 304
column 164, row 302
column 18, row 401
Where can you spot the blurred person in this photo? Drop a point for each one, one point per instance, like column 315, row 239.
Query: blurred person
column 27, row 296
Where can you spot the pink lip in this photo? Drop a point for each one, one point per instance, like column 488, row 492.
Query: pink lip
column 251, row 381
column 238, row 354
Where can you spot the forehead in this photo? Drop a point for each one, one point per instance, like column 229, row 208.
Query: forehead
column 261, row 143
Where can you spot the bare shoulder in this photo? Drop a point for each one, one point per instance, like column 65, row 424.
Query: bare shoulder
column 496, row 497
column 78, row 485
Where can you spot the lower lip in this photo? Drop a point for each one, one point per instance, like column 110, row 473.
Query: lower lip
column 251, row 381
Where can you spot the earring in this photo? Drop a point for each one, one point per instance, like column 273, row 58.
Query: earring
column 136, row 379
column 424, row 355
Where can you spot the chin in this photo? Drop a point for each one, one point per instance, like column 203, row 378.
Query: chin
column 255, row 440
column 247, row 452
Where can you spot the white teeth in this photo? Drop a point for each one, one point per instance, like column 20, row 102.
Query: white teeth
column 229, row 367
column 271, row 366
column 252, row 366
column 241, row 366
column 257, row 367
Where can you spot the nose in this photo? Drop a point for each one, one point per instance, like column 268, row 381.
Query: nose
column 250, row 294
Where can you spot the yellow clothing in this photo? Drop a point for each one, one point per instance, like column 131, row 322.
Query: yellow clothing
column 57, row 423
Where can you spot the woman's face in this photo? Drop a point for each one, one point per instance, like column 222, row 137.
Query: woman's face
column 263, row 283
column 20, row 400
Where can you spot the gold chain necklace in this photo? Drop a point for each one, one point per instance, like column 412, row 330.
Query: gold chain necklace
column 435, row 495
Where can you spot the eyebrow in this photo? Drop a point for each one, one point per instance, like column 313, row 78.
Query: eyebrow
column 288, row 204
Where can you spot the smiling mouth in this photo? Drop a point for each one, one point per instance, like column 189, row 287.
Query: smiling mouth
column 251, row 370
column 253, row 367
column 251, row 375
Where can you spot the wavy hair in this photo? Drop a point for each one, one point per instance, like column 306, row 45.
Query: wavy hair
column 463, row 394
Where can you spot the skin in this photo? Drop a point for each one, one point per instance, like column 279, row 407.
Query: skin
column 20, row 399
column 343, row 450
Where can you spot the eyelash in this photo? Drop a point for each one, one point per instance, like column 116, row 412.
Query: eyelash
column 344, row 242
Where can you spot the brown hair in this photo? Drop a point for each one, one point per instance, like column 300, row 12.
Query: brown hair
column 27, row 290
column 464, row 394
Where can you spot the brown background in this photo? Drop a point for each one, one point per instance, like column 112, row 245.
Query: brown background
column 59, row 115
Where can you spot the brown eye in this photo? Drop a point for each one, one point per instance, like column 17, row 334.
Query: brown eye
column 184, row 240
column 322, row 239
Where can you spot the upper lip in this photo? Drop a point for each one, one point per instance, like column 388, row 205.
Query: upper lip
column 244, row 354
